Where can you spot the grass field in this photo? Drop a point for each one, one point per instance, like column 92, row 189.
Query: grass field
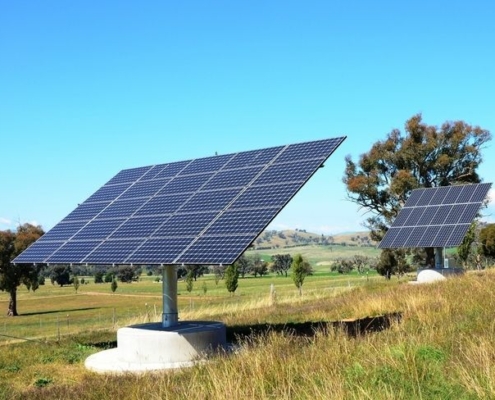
column 442, row 347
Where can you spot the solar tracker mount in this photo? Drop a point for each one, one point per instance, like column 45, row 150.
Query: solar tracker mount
column 201, row 211
column 436, row 217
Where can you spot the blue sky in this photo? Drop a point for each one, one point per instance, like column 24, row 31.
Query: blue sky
column 90, row 88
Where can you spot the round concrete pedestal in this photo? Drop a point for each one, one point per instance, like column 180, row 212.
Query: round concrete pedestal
column 149, row 347
column 435, row 275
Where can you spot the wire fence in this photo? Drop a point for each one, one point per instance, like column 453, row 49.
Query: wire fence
column 44, row 327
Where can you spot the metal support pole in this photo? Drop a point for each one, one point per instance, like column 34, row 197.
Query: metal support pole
column 170, row 316
column 439, row 257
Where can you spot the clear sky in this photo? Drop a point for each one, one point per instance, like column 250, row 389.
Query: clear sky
column 92, row 87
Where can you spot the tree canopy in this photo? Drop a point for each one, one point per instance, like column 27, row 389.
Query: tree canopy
column 11, row 276
column 425, row 156
column 487, row 240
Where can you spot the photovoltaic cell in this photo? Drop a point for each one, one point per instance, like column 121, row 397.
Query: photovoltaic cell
column 202, row 211
column 436, row 217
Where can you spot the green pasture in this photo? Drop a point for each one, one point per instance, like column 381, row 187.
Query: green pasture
column 54, row 311
column 319, row 255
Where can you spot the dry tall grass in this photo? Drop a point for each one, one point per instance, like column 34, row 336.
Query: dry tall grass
column 443, row 348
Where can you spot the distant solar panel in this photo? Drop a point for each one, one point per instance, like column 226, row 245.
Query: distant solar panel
column 202, row 211
column 436, row 217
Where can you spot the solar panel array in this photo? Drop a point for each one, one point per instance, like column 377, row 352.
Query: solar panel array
column 436, row 217
column 202, row 211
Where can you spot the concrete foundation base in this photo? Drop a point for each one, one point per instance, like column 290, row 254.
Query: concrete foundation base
column 151, row 347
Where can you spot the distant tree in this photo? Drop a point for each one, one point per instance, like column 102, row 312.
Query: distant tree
column 109, row 276
column 281, row 263
column 127, row 273
column 392, row 263
column 98, row 277
column 189, row 281
column 60, row 274
column 11, row 276
column 487, row 241
column 259, row 266
column 231, row 278
column 343, row 265
column 114, row 285
column 244, row 265
column 464, row 250
column 76, row 283
column 300, row 269
column 218, row 271
column 426, row 156
column 205, row 288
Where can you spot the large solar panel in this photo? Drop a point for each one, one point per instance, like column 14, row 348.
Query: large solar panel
column 201, row 211
column 436, row 217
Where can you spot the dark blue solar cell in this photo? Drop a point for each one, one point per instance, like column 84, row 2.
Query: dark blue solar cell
column 414, row 197
column 428, row 215
column 138, row 227
column 209, row 164
column 441, row 215
column 218, row 249
column 172, row 169
column 455, row 214
column 402, row 217
column 122, row 208
column 480, row 192
column 469, row 213
column 245, row 221
column 389, row 237
column 241, row 160
column 38, row 252
column 185, row 224
column 414, row 216
column 266, row 196
column 86, row 211
column 113, row 251
column 185, row 184
column 465, row 194
column 160, row 251
column 232, row 178
column 263, row 157
column 145, row 188
column 457, row 235
column 163, row 205
column 99, row 229
column 439, row 195
column 210, row 201
column 73, row 251
column 442, row 236
column 310, row 151
column 64, row 231
column 108, row 193
column 429, row 235
column 129, row 175
column 415, row 235
column 425, row 198
column 452, row 195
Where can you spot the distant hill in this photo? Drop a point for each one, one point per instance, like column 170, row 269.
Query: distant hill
column 272, row 239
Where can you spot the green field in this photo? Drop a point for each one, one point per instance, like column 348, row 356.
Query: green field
column 52, row 311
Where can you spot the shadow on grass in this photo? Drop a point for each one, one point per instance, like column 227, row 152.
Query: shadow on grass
column 352, row 327
column 57, row 311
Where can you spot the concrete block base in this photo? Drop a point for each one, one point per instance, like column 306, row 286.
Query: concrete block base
column 151, row 347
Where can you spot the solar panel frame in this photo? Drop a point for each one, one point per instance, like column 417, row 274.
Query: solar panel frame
column 436, row 217
column 205, row 211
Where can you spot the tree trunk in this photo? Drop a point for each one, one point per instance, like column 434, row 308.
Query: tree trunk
column 12, row 312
